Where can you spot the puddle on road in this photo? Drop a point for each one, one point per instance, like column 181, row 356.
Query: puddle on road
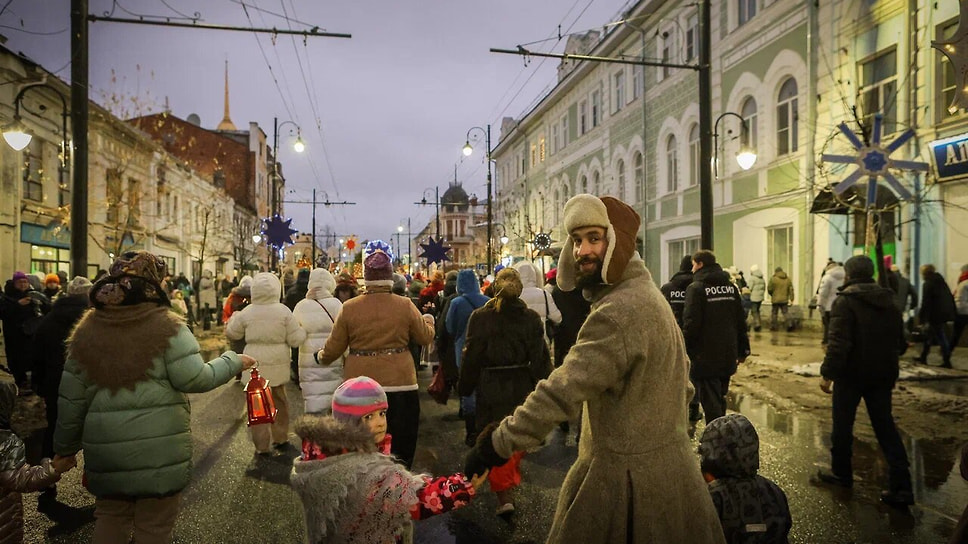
column 933, row 463
column 947, row 387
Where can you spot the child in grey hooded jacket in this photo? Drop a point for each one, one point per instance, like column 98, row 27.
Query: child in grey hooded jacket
column 751, row 508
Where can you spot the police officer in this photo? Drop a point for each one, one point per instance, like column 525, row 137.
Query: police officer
column 675, row 292
column 714, row 331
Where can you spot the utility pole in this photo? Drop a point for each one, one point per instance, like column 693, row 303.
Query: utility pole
column 314, row 202
column 79, row 77
column 705, row 131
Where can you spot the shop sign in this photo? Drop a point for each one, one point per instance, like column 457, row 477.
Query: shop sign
column 53, row 235
column 950, row 157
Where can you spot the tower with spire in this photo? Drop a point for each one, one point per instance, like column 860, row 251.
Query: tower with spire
column 226, row 123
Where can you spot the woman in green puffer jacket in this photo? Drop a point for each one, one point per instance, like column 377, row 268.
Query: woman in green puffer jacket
column 122, row 400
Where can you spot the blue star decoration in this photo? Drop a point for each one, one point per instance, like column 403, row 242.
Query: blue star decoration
column 435, row 251
column 278, row 232
column 875, row 162
column 378, row 245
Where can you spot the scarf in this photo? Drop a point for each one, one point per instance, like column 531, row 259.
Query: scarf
column 116, row 345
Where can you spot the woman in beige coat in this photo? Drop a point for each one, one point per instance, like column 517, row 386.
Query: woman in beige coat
column 377, row 328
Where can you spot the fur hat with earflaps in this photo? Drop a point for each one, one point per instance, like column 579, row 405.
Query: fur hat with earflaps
column 621, row 225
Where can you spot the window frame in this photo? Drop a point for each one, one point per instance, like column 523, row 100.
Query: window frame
column 694, row 155
column 620, row 177
column 672, row 163
column 744, row 16
column 33, row 171
column 618, row 86
column 787, row 109
column 884, row 97
column 638, row 172
column 944, row 69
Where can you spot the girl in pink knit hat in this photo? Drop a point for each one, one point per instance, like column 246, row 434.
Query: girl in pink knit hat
column 351, row 489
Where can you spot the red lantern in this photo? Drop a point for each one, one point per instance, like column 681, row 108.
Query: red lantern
column 258, row 400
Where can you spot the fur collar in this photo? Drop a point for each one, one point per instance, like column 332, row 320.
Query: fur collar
column 116, row 346
column 332, row 436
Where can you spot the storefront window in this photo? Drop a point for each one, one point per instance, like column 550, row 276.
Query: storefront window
column 49, row 260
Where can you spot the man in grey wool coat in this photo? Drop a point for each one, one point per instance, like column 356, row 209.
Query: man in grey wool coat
column 636, row 478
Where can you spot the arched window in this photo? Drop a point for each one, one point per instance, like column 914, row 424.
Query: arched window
column 596, row 183
column 672, row 164
column 557, row 205
column 620, row 171
column 694, row 165
column 637, row 163
column 584, row 184
column 748, row 138
column 786, row 118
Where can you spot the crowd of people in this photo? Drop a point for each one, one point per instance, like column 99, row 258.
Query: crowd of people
column 525, row 352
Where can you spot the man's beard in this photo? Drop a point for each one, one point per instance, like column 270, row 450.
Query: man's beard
column 588, row 279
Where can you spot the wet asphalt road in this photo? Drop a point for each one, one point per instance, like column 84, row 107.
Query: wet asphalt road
column 236, row 497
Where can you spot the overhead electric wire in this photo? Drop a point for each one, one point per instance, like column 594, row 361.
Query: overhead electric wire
column 317, row 118
column 268, row 64
column 543, row 59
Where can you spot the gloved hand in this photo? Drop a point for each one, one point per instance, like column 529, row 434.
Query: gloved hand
column 482, row 456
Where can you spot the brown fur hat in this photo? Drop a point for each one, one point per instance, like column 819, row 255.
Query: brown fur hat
column 621, row 225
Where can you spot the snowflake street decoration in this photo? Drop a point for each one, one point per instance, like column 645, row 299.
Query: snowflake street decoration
column 955, row 49
column 278, row 232
column 542, row 241
column 378, row 245
column 435, row 251
column 875, row 162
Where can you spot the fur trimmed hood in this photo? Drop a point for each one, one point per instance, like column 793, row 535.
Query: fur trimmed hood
column 116, row 345
column 331, row 435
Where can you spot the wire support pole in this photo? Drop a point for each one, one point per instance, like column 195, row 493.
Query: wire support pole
column 565, row 56
column 305, row 33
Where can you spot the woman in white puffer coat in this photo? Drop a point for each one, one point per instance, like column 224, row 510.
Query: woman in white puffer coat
column 316, row 314
column 269, row 330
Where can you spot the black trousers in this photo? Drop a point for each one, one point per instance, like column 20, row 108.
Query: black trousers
column 846, row 398
column 712, row 396
column 403, row 422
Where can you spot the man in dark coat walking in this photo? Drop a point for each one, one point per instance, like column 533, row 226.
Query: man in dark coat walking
column 20, row 308
column 49, row 356
column 714, row 328
column 294, row 294
column 675, row 292
column 937, row 309
column 675, row 289
column 866, row 339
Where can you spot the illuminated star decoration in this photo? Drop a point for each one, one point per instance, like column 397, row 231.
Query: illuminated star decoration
column 875, row 162
column 278, row 232
column 542, row 241
column 377, row 245
column 435, row 251
column 956, row 49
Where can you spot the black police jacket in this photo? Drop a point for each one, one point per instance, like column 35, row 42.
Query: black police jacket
column 713, row 324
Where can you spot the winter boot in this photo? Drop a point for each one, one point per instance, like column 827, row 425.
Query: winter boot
column 470, row 438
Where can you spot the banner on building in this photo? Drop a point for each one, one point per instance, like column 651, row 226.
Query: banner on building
column 950, row 157
column 52, row 235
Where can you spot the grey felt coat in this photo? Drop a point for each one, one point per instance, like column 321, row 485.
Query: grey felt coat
column 637, row 478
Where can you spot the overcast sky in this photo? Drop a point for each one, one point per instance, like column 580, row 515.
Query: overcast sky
column 383, row 114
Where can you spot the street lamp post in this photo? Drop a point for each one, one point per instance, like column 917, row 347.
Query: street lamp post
column 17, row 137
column 299, row 147
column 746, row 157
column 467, row 152
column 399, row 247
column 436, row 203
